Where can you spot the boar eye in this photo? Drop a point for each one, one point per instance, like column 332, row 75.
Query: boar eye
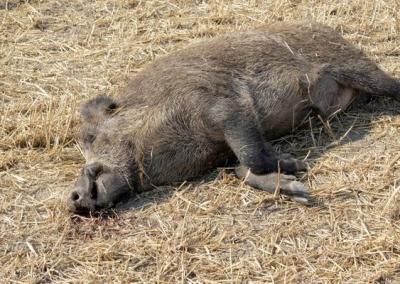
column 93, row 170
column 89, row 138
column 93, row 191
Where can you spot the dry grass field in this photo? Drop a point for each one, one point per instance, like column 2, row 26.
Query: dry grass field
column 54, row 54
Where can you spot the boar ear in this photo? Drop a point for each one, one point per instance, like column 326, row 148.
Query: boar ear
column 98, row 108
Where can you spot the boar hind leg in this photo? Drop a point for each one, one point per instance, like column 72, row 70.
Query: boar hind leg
column 274, row 182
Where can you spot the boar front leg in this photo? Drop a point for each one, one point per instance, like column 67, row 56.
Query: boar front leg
column 244, row 138
column 260, row 166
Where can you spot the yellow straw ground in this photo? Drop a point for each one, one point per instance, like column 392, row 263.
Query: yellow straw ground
column 56, row 54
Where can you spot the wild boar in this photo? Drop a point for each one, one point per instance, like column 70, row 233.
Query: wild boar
column 221, row 99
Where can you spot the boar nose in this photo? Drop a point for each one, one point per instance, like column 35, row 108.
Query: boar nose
column 75, row 201
column 78, row 203
column 75, row 197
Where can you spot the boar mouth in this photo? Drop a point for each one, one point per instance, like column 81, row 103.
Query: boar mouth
column 84, row 211
column 97, row 211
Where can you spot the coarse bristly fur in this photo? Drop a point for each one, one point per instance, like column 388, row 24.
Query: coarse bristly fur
column 199, row 107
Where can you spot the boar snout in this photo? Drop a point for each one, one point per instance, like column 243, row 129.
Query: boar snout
column 98, row 187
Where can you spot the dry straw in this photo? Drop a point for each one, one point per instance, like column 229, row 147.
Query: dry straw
column 56, row 54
